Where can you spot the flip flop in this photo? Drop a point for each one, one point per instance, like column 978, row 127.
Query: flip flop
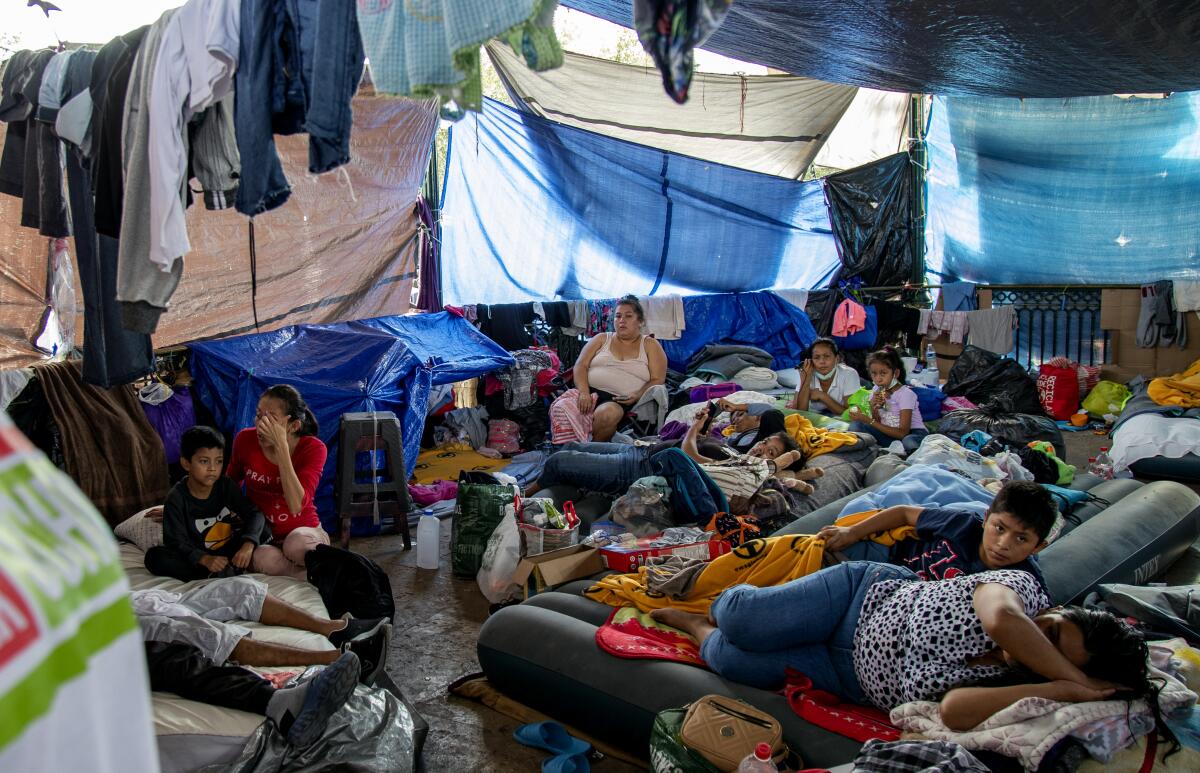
column 552, row 737
column 566, row 763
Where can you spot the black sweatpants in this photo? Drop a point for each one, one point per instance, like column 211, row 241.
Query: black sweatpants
column 183, row 670
column 165, row 562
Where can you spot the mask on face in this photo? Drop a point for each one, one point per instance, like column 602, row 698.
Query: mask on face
column 825, row 376
column 893, row 384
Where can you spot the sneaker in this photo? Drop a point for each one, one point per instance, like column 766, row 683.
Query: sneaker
column 372, row 651
column 323, row 695
column 356, row 629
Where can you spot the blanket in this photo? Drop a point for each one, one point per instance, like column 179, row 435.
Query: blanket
column 815, row 441
column 631, row 633
column 446, row 463
column 759, row 562
column 924, row 485
column 109, row 447
column 1029, row 728
column 1182, row 389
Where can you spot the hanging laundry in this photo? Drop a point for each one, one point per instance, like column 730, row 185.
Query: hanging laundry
column 1159, row 324
column 958, row 296
column 520, row 378
column 951, row 323
column 992, row 329
column 849, row 318
column 109, row 89
column 664, row 316
column 171, row 412
column 430, row 280
column 798, row 298
column 1186, row 294
column 505, row 324
column 431, row 47
column 31, row 167
column 670, row 29
column 600, row 314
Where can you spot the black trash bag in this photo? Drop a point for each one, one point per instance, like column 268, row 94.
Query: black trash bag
column 1042, row 466
column 980, row 376
column 349, row 582
column 1001, row 420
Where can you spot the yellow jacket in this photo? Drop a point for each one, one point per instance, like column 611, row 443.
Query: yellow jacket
column 815, row 441
column 760, row 562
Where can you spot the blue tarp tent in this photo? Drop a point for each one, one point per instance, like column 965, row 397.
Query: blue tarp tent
column 382, row 364
column 755, row 319
column 536, row 210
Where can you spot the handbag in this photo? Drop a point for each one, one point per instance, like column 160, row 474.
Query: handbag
column 725, row 730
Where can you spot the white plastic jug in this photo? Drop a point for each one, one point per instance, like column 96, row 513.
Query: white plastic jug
column 429, row 543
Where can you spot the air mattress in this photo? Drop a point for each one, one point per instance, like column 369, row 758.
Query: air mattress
column 543, row 652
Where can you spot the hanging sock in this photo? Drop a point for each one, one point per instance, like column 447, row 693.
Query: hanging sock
column 670, row 29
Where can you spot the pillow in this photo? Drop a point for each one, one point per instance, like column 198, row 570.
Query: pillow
column 756, row 379
column 789, row 378
column 140, row 530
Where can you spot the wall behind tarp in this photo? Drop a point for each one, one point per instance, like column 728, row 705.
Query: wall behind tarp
column 534, row 210
column 1019, row 48
column 1094, row 190
column 343, row 246
column 773, row 124
column 383, row 364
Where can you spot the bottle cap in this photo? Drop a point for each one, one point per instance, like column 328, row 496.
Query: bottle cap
column 762, row 751
column 1091, row 459
column 1104, row 448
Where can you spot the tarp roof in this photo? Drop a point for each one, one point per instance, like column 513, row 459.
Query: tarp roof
column 1018, row 48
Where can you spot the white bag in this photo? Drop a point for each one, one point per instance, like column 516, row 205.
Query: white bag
column 941, row 450
column 500, row 560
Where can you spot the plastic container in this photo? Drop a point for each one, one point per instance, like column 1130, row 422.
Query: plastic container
column 930, row 357
column 758, row 762
column 429, row 543
column 1101, row 465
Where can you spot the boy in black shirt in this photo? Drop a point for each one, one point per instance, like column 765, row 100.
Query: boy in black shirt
column 950, row 543
column 210, row 528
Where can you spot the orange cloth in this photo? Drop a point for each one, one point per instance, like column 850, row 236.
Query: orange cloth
column 1182, row 389
column 849, row 318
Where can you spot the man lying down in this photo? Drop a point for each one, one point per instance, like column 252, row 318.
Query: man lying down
column 194, row 651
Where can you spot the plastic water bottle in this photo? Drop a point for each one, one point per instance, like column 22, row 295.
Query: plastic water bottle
column 429, row 543
column 1104, row 465
column 758, row 762
column 930, row 357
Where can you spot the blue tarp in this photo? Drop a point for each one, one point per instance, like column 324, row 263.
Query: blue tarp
column 382, row 364
column 1078, row 191
column 755, row 319
column 535, row 210
column 1018, row 48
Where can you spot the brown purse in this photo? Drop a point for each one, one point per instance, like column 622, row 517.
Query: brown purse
column 724, row 730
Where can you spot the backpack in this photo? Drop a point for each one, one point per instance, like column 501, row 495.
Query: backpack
column 694, row 496
column 349, row 582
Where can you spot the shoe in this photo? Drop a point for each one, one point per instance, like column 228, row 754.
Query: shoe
column 356, row 629
column 327, row 692
column 552, row 737
column 372, row 651
column 566, row 763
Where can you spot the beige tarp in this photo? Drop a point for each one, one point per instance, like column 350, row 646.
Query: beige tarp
column 343, row 247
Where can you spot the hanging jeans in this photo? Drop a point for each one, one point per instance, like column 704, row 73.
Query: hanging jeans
column 299, row 65
column 806, row 625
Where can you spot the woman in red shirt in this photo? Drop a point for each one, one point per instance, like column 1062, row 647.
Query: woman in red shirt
column 280, row 460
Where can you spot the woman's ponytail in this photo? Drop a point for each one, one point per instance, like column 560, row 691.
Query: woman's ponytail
column 295, row 407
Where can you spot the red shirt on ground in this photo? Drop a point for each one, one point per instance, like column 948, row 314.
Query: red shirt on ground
column 248, row 463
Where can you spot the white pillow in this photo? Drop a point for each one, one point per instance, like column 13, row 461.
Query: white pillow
column 789, row 378
column 141, row 531
column 756, row 379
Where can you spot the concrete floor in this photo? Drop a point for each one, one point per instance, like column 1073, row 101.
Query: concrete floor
column 438, row 620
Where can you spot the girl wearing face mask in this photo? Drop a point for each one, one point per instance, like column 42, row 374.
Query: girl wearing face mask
column 894, row 411
column 825, row 383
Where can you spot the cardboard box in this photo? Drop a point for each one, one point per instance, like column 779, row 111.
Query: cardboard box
column 628, row 559
column 1119, row 310
column 548, row 570
column 947, row 352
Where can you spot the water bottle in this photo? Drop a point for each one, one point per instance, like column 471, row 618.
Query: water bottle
column 758, row 762
column 429, row 543
column 930, row 357
column 1104, row 464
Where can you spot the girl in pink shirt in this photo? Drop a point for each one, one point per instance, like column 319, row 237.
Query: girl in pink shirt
column 895, row 413
column 280, row 460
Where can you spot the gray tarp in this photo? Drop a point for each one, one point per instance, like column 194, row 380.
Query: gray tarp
column 773, row 124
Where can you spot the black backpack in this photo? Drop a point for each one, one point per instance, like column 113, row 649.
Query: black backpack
column 349, row 582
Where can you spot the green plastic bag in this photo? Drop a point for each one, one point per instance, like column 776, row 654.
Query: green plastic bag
column 1106, row 397
column 668, row 754
column 479, row 510
column 861, row 398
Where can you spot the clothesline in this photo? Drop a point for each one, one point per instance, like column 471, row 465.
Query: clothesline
column 983, row 286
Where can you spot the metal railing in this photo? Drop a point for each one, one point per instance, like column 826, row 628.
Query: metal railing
column 1053, row 323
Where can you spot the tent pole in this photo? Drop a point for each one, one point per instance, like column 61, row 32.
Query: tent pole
column 918, row 155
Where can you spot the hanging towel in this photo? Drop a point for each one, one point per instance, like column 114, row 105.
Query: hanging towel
column 1186, row 294
column 951, row 323
column 958, row 296
column 992, row 329
column 849, row 318
column 664, row 316
column 798, row 298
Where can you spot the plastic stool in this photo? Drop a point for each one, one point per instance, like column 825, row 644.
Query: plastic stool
column 358, row 491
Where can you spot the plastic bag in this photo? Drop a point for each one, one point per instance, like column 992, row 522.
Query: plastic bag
column 980, row 376
column 861, row 399
column 1058, row 389
column 1106, row 397
column 998, row 418
column 500, row 559
column 668, row 754
column 1011, row 464
column 941, row 450
column 504, row 435
column 642, row 510
column 478, row 510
